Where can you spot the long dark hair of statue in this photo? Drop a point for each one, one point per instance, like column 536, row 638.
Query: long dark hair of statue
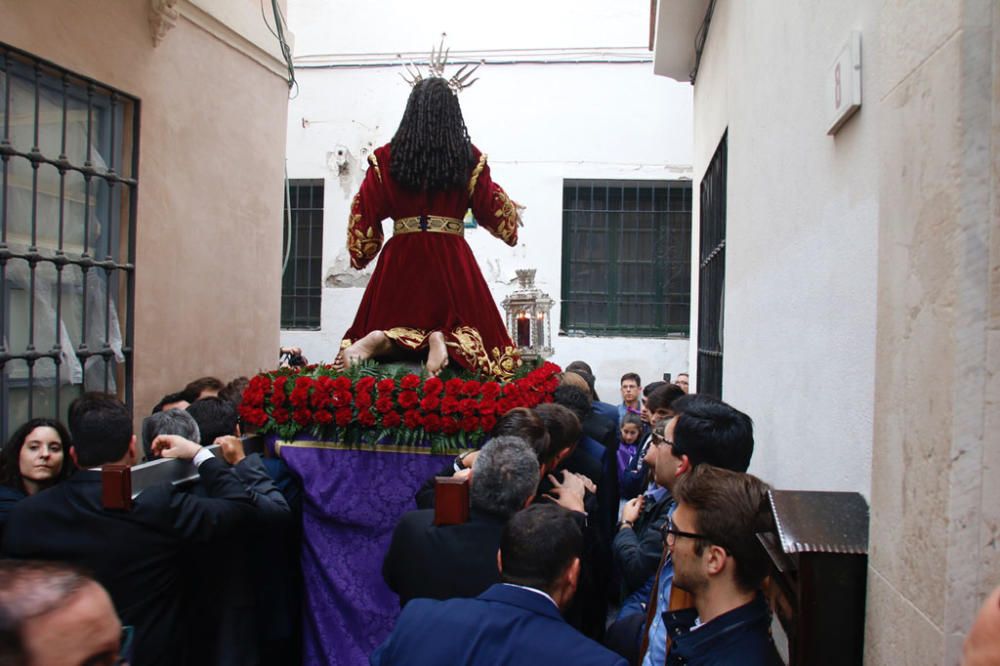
column 431, row 149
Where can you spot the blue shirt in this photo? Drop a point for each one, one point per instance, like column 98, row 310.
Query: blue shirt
column 656, row 653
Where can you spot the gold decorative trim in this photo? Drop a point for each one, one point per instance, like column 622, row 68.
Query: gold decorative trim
column 412, row 338
column 496, row 362
column 433, row 223
column 475, row 173
column 509, row 219
column 361, row 245
column 380, row 448
column 374, row 162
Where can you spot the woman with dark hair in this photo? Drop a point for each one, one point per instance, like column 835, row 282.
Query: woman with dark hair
column 34, row 459
column 427, row 294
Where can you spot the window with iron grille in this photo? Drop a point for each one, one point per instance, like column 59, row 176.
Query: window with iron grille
column 68, row 164
column 712, row 272
column 626, row 264
column 301, row 278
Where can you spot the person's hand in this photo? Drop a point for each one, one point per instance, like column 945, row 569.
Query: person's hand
column 588, row 485
column 232, row 448
column 569, row 493
column 469, row 458
column 463, row 474
column 632, row 509
column 175, row 446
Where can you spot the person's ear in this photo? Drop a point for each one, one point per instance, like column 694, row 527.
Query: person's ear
column 685, row 465
column 239, row 433
column 499, row 561
column 133, row 455
column 573, row 573
column 527, row 503
column 715, row 560
column 72, row 454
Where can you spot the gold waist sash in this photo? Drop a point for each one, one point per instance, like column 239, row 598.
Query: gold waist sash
column 435, row 223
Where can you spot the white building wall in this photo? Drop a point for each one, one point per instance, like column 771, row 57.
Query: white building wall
column 539, row 123
column 802, row 230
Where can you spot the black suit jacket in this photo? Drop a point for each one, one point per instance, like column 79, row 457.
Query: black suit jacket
column 135, row 555
column 442, row 561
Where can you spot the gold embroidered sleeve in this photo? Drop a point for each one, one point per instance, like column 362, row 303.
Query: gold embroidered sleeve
column 363, row 240
column 507, row 217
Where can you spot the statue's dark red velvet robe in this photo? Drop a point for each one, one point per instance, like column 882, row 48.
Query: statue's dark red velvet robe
column 429, row 281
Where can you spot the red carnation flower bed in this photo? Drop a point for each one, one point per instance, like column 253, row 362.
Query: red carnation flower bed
column 373, row 404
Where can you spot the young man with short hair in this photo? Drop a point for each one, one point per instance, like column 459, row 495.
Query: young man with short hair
column 712, row 538
column 630, row 388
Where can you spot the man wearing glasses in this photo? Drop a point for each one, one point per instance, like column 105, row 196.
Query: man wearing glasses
column 707, row 431
column 719, row 561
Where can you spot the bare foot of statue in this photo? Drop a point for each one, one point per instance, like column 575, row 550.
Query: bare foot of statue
column 374, row 344
column 437, row 356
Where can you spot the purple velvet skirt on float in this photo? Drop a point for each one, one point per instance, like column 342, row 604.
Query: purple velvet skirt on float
column 352, row 499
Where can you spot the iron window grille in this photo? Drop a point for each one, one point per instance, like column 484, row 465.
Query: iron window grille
column 69, row 157
column 712, row 272
column 626, row 267
column 301, row 279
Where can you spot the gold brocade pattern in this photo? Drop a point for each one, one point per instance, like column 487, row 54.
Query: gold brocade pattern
column 362, row 245
column 475, row 173
column 374, row 162
column 433, row 223
column 506, row 211
column 496, row 363
column 412, row 338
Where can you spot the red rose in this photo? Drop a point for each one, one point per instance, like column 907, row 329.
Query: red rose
column 468, row 406
column 299, row 397
column 453, row 386
column 430, row 403
column 449, row 426
column 387, row 385
column 342, row 383
column 432, row 423
column 260, row 383
column 341, row 399
column 411, row 419
column 304, row 383
column 383, row 404
column 319, row 399
column 363, row 400
column 366, row 418
column 470, row 423
column 343, row 416
column 408, row 399
column 471, row 387
column 303, row 417
column 488, row 422
column 449, row 406
column 487, row 407
column 366, row 383
column 323, row 417
column 280, row 415
column 551, row 384
column 278, row 398
column 391, row 420
column 410, row 381
column 433, row 386
column 325, row 384
column 491, row 390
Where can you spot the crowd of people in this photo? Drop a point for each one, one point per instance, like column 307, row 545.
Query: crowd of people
column 596, row 534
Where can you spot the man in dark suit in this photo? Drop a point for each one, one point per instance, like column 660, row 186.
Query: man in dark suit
column 134, row 554
column 445, row 561
column 514, row 622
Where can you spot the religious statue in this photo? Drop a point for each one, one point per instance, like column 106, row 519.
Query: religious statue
column 427, row 294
